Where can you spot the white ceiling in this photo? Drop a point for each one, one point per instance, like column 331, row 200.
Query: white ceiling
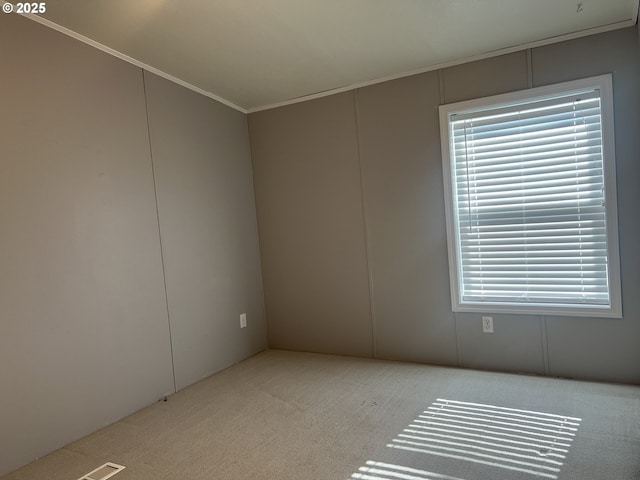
column 258, row 53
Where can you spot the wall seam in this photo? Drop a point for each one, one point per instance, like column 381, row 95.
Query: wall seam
column 442, row 97
column 155, row 193
column 255, row 206
column 367, row 242
column 441, row 86
column 545, row 345
column 529, row 68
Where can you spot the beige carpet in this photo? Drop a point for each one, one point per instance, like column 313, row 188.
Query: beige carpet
column 285, row 415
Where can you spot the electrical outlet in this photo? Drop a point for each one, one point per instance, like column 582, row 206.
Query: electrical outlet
column 243, row 320
column 487, row 324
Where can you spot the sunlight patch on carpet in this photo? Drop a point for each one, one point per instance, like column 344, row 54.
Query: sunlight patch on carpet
column 525, row 441
column 388, row 471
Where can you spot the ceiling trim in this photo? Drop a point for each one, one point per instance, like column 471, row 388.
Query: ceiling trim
column 133, row 61
column 346, row 88
column 482, row 56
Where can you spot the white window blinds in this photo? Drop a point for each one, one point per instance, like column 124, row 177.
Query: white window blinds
column 528, row 185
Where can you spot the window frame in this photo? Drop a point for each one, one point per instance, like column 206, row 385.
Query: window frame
column 605, row 84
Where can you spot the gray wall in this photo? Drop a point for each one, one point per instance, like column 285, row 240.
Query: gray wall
column 317, row 258
column 129, row 243
column 84, row 326
column 202, row 166
column 313, row 244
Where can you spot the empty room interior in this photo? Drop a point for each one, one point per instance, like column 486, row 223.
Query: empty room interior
column 363, row 239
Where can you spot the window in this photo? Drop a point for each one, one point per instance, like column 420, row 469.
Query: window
column 531, row 201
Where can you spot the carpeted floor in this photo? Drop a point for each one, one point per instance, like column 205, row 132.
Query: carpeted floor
column 285, row 415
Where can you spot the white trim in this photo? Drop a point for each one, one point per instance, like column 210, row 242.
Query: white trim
column 609, row 152
column 545, row 91
column 450, row 216
column 473, row 58
column 128, row 59
column 540, row 310
column 605, row 84
column 346, row 88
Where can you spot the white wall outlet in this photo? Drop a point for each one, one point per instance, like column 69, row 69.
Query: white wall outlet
column 243, row 320
column 487, row 324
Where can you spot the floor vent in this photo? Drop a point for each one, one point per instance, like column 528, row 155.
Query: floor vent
column 107, row 470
